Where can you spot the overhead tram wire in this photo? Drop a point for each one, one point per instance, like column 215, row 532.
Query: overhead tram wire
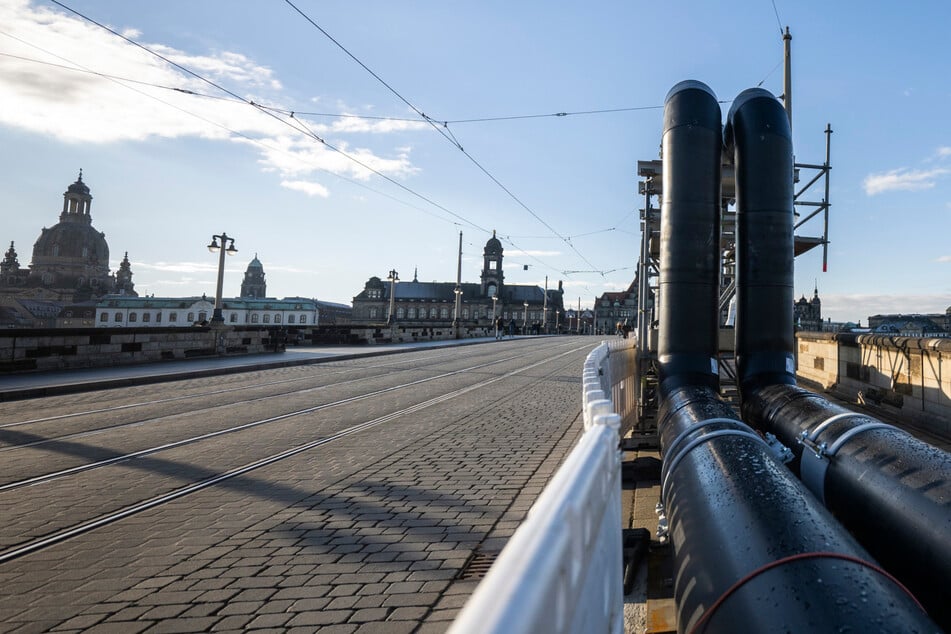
column 444, row 131
column 121, row 82
column 267, row 112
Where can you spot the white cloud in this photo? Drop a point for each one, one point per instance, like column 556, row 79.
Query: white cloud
column 60, row 98
column 944, row 151
column 184, row 267
column 903, row 179
column 309, row 188
column 944, row 258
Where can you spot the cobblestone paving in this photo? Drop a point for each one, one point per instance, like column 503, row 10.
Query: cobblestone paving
column 369, row 534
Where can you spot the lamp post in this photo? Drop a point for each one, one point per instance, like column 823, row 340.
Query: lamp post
column 525, row 319
column 227, row 246
column 392, row 278
column 557, row 316
column 456, row 311
column 495, row 319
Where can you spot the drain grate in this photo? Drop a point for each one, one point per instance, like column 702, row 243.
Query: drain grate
column 478, row 564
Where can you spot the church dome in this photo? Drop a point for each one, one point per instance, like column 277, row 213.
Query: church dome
column 79, row 187
column 71, row 258
column 493, row 245
column 71, row 240
column 255, row 264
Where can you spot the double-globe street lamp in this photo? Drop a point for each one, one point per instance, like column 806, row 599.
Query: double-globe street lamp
column 227, row 246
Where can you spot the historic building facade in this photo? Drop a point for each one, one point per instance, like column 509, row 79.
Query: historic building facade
column 70, row 260
column 418, row 304
column 68, row 271
column 616, row 311
column 253, row 284
column 807, row 313
column 118, row 311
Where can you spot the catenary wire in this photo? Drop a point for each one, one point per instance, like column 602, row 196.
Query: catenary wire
column 443, row 131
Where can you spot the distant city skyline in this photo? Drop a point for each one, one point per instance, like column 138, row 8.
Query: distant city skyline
column 356, row 182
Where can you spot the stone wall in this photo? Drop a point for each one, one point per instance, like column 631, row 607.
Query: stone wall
column 408, row 334
column 905, row 377
column 61, row 349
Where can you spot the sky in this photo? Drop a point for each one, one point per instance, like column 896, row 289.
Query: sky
column 339, row 140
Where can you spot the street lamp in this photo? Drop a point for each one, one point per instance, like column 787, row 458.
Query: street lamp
column 495, row 320
column 456, row 310
column 557, row 316
column 227, row 246
column 392, row 278
column 525, row 319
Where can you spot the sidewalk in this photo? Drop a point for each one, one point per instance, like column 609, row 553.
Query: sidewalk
column 32, row 385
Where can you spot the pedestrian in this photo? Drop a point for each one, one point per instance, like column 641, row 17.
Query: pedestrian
column 499, row 328
column 512, row 327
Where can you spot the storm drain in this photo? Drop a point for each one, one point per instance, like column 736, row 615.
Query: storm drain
column 477, row 565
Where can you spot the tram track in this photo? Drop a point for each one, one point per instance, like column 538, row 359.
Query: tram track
column 237, row 428
column 146, row 421
column 174, row 399
column 64, row 534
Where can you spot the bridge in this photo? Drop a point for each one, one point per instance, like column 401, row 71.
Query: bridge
column 364, row 494
column 373, row 494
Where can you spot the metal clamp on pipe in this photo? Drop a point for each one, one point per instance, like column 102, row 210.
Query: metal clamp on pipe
column 810, row 438
column 815, row 463
column 696, row 442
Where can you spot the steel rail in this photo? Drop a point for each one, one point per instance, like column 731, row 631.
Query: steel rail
column 236, row 428
column 115, row 516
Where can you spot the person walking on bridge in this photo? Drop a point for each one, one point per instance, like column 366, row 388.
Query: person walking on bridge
column 499, row 328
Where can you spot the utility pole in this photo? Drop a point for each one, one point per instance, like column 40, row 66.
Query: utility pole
column 545, row 307
column 458, row 291
column 787, row 75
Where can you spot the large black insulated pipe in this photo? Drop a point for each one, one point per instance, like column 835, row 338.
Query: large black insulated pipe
column 754, row 552
column 690, row 237
column 892, row 491
column 758, row 137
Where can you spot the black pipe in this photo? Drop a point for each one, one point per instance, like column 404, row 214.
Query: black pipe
column 892, row 491
column 736, row 513
column 761, row 147
column 690, row 238
column 734, row 509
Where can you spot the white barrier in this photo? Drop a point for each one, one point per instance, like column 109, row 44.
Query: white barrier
column 562, row 571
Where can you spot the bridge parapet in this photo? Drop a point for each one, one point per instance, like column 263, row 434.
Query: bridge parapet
column 562, row 569
column 908, row 378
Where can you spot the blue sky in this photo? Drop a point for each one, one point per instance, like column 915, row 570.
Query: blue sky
column 168, row 169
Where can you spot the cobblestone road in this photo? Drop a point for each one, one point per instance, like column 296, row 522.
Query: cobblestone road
column 370, row 532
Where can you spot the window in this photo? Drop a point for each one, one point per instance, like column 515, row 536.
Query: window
column 277, row 319
column 254, row 318
column 465, row 313
column 118, row 317
column 146, row 317
column 104, row 317
column 191, row 317
column 411, row 313
column 303, row 319
column 173, row 317
column 400, row 313
column 444, row 312
column 158, row 317
column 233, row 318
column 290, row 319
column 373, row 313
column 491, row 290
column 432, row 313
column 493, row 265
column 202, row 316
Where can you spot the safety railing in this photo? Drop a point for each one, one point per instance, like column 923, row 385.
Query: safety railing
column 562, row 569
